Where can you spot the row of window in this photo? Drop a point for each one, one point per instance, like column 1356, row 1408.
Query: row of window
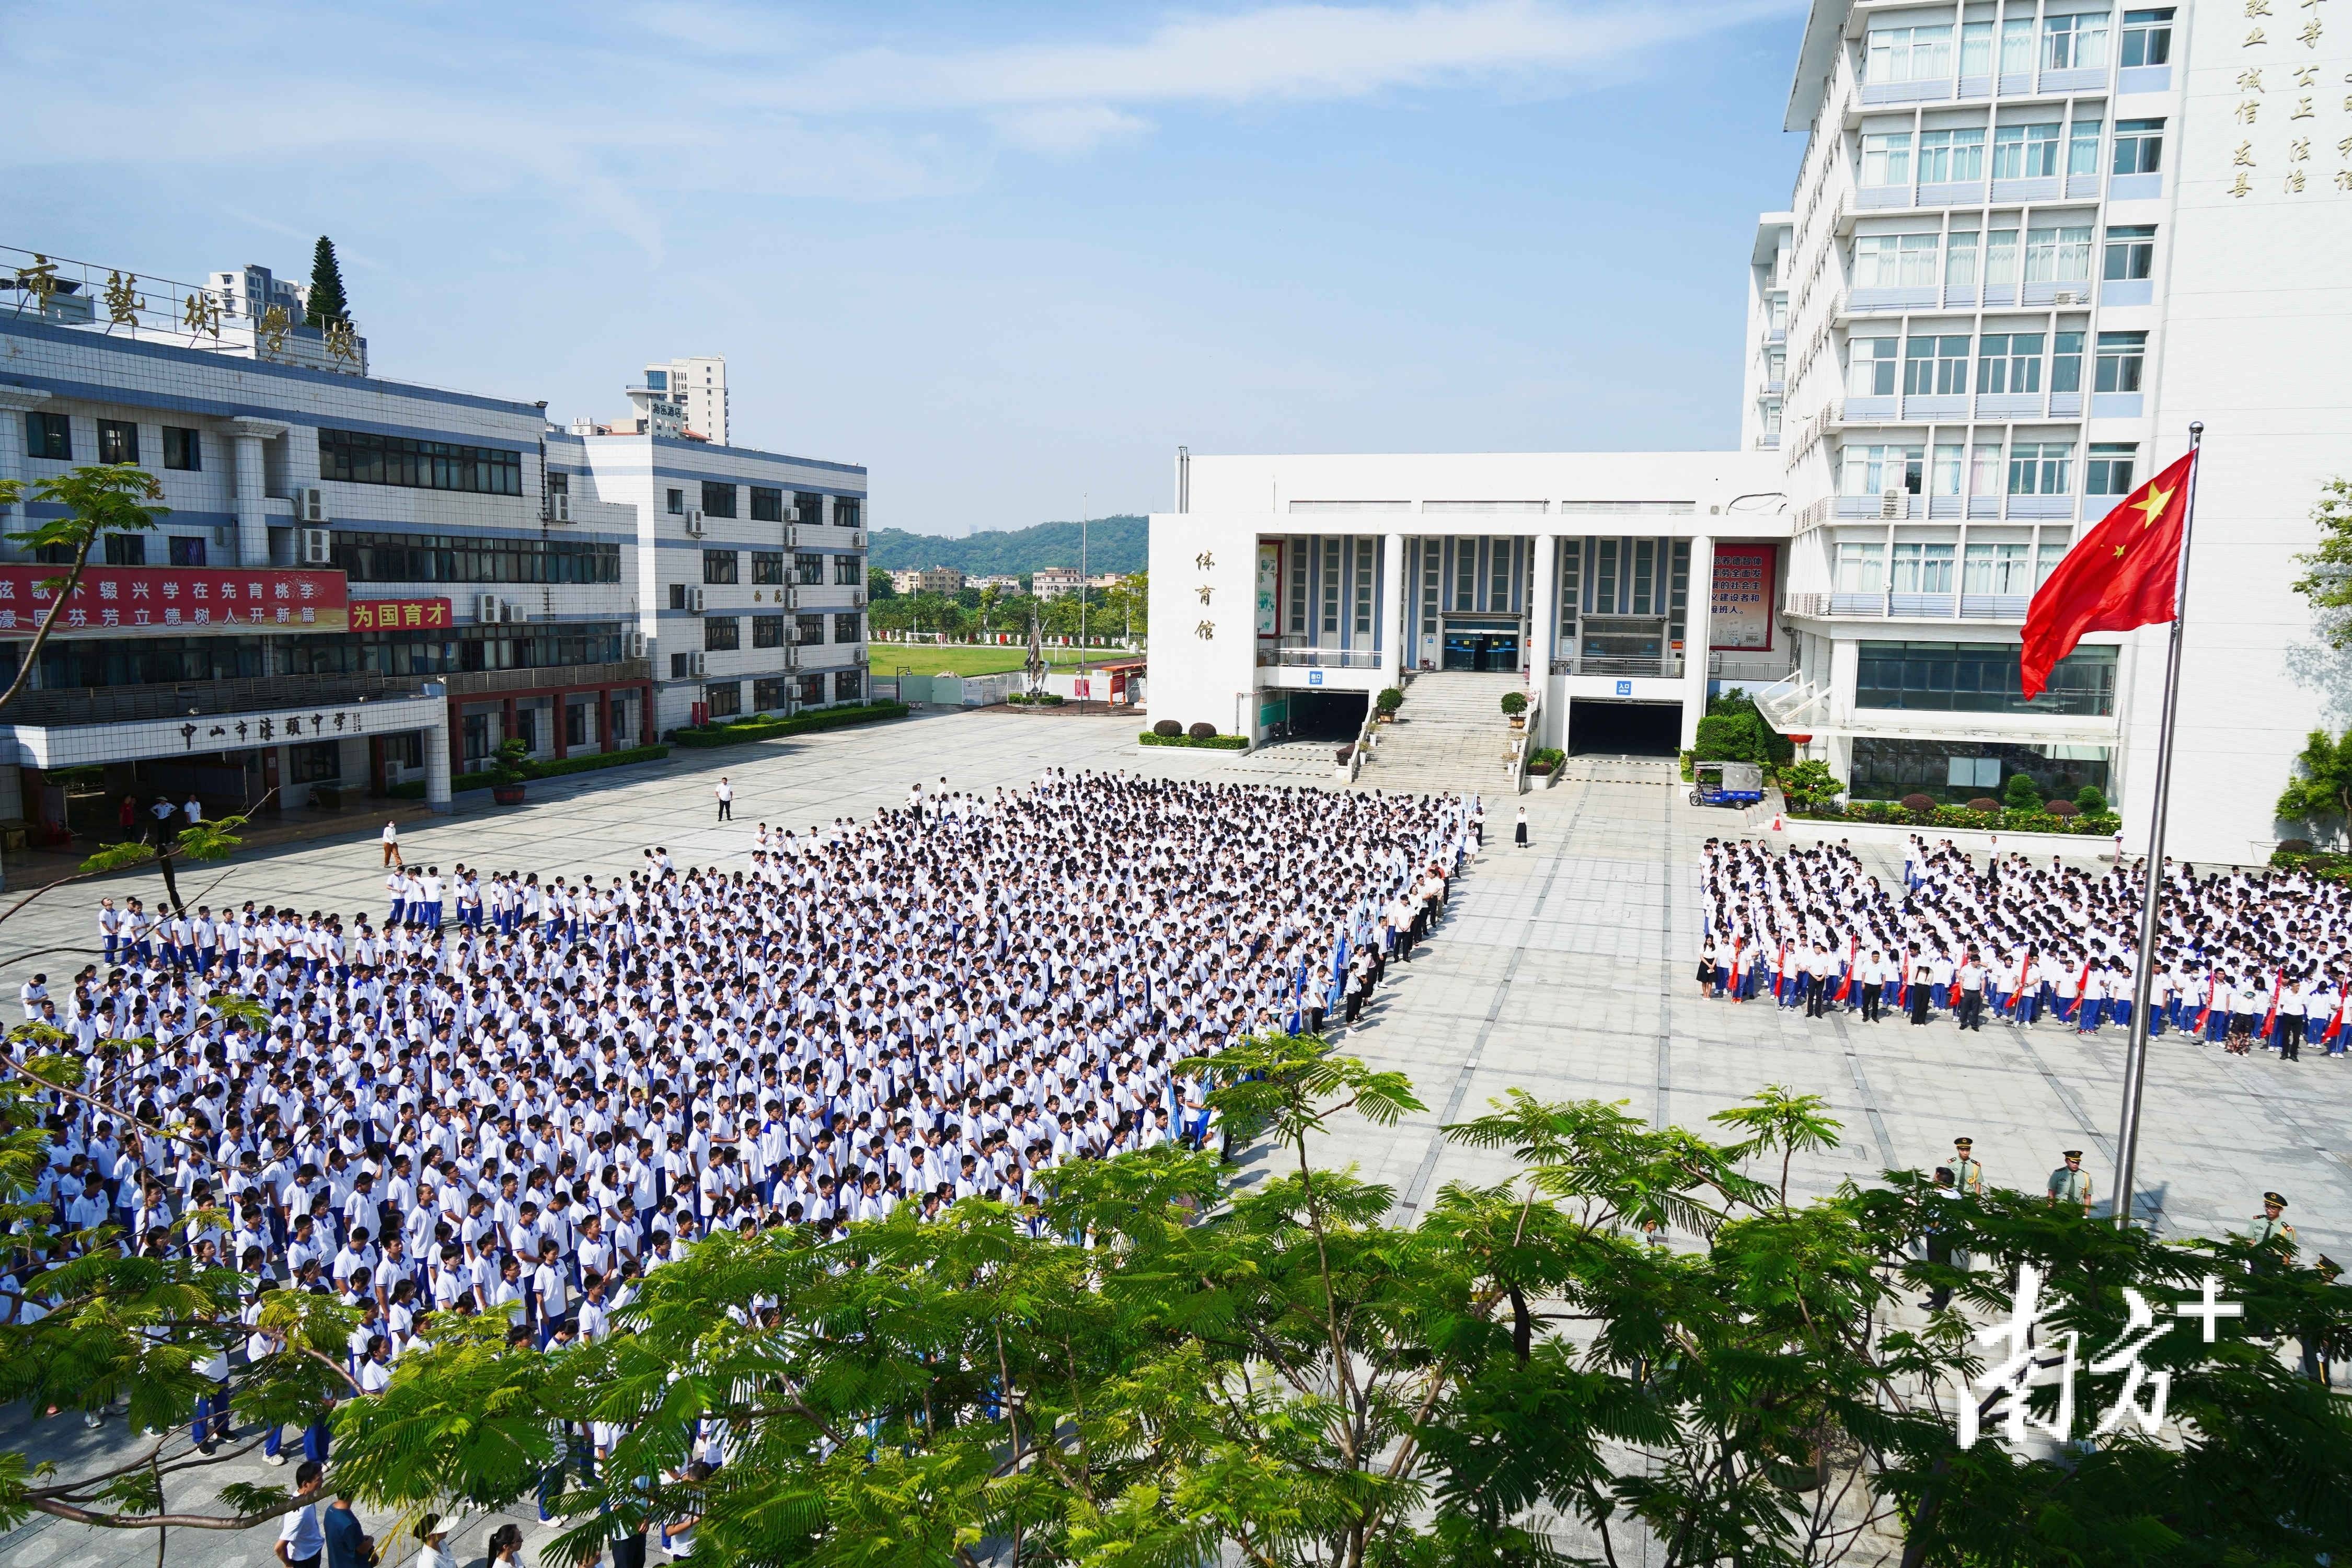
column 2032, row 468
column 719, row 498
column 2015, row 569
column 134, row 549
column 368, row 557
column 50, row 436
column 1981, row 677
column 1939, row 364
column 724, row 698
column 724, row 566
column 2057, row 252
column 2019, row 152
column 2061, row 43
column 364, row 457
column 724, row 634
column 460, row 648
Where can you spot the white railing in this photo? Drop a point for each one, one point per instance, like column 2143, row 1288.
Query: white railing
column 1792, row 703
column 1515, row 762
column 1356, row 753
column 1323, row 657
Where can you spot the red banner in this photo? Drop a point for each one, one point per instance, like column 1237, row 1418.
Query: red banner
column 110, row 600
column 401, row 615
column 1739, row 608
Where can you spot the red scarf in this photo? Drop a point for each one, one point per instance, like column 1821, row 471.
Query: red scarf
column 1845, row 987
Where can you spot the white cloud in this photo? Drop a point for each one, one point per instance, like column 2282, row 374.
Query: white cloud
column 1065, row 130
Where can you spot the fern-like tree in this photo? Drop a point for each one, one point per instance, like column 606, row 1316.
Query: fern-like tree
column 326, row 302
column 96, row 499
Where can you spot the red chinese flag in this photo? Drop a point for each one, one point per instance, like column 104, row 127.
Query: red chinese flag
column 2123, row 573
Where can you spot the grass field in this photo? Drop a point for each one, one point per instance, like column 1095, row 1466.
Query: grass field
column 887, row 658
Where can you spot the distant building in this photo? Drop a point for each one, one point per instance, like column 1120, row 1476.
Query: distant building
column 927, row 580
column 685, row 400
column 1004, row 583
column 1052, row 582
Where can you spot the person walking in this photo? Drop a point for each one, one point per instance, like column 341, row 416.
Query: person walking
column 726, row 793
column 392, row 844
column 301, row 1542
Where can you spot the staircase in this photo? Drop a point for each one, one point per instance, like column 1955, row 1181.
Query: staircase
column 1449, row 738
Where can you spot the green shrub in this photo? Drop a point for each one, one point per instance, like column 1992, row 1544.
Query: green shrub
column 1809, row 783
column 1212, row 741
column 2091, row 801
column 744, row 729
column 1389, row 700
column 1777, row 749
column 1686, row 767
column 2020, row 795
column 1202, row 731
column 1167, row 729
column 1731, row 737
column 1515, row 703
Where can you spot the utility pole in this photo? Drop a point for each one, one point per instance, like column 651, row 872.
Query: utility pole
column 1086, row 504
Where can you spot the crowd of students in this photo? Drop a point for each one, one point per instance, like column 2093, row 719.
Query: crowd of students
column 2243, row 957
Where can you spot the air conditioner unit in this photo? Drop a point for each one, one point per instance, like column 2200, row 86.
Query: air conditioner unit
column 857, row 538
column 508, row 613
column 694, row 600
column 318, row 545
column 1894, row 504
column 559, row 506
column 312, row 505
column 791, row 656
column 486, row 609
column 634, row 646
column 2067, row 297
column 792, row 597
column 694, row 522
column 857, row 598
column 792, row 534
column 696, row 663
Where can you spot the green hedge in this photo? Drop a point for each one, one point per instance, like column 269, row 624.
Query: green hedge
column 1212, row 744
column 415, row 788
column 1035, row 700
column 799, row 724
column 2325, row 864
column 1546, row 760
column 1890, row 813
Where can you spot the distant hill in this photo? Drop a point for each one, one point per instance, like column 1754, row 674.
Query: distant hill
column 1113, row 544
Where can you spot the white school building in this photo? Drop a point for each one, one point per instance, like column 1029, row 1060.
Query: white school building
column 2028, row 244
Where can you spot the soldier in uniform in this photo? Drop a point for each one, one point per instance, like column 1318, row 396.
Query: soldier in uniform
column 1967, row 1176
column 2271, row 1232
column 2070, row 1183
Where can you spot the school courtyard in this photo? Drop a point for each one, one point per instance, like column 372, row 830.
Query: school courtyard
column 1562, row 968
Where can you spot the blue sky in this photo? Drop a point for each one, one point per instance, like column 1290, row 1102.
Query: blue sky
column 1009, row 256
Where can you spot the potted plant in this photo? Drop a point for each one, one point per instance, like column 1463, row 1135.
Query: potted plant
column 1515, row 704
column 510, row 770
column 1389, row 700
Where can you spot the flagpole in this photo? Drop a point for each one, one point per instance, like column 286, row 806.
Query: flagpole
column 2152, row 894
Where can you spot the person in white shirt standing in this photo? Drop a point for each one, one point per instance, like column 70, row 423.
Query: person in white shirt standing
column 726, row 793
column 392, row 844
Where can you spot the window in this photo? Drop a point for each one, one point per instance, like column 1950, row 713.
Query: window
column 848, row 628
column 1922, row 569
column 1960, row 261
column 847, row 573
column 678, row 595
column 368, row 557
column 1976, row 48
column 1887, row 158
column 1937, row 365
column 2076, row 43
column 678, row 665
column 2001, row 257
column 2148, row 38
column 2083, row 146
column 718, row 499
column 1329, row 581
column 183, row 448
column 1874, row 470
column 2131, row 251
column 724, row 698
column 1980, row 678
column 808, row 567
column 1997, row 569
column 1907, row 53
column 2050, row 551
column 767, row 567
column 118, row 441
column 126, row 549
column 1949, row 469
column 1949, row 156
column 2109, row 472
column 722, row 633
column 49, row 436
column 363, row 458
column 808, row 506
column 2056, row 254
column 2067, row 361
column 1870, row 368
column 2025, row 152
column 2139, row 147
column 848, row 684
column 2121, row 355
column 1862, row 568
column 767, row 504
column 1984, row 469
column 771, row 695
column 2040, row 467
column 1894, row 260
column 678, row 503
column 807, row 629
column 2009, row 362
column 2016, row 47
column 808, row 689
column 720, row 565
column 767, row 631
column 846, row 510
column 187, row 549
column 657, row 381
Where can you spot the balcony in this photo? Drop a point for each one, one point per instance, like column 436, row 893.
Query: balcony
column 495, row 682
column 1663, row 667
column 61, row 706
column 1319, row 658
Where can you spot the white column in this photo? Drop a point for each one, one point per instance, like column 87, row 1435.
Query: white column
column 1543, row 612
column 437, row 797
column 1697, row 635
column 252, row 515
column 1392, row 608
column 14, row 402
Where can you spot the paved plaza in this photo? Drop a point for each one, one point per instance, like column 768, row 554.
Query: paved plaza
column 1563, row 968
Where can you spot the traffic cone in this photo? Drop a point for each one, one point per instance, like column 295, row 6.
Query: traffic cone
column 1778, row 826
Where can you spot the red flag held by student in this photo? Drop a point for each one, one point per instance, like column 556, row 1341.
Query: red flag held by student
column 1845, row 987
column 2123, row 573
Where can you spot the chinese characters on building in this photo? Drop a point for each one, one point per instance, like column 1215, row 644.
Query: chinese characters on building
column 188, row 600
column 2293, row 110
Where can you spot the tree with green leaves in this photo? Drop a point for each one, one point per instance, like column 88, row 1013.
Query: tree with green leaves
column 2326, row 580
column 1810, row 784
column 98, row 499
column 2320, row 790
column 1632, row 1341
column 326, row 303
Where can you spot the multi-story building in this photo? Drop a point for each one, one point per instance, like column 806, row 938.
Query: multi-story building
column 2029, row 245
column 927, row 580
column 363, row 583
column 1052, row 582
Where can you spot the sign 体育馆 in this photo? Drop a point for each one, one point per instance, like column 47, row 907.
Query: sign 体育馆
column 115, row 601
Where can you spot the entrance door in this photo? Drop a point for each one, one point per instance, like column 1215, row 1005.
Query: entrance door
column 1482, row 651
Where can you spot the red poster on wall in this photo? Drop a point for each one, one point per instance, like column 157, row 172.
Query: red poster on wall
column 112, row 600
column 1740, row 603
